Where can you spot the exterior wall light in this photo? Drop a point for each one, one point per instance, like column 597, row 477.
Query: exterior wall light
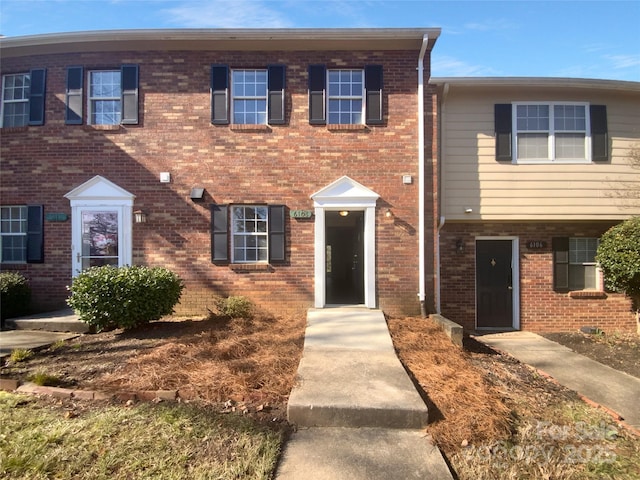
column 139, row 216
column 388, row 213
column 197, row 193
column 343, row 213
column 460, row 245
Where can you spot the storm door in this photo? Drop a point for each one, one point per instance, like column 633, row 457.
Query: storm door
column 495, row 274
column 344, row 257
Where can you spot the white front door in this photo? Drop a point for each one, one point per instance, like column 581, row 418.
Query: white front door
column 98, row 238
column 101, row 225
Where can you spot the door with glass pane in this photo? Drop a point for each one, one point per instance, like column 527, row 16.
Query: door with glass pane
column 100, row 239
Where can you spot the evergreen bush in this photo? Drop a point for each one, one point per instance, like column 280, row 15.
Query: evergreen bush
column 15, row 295
column 124, row 297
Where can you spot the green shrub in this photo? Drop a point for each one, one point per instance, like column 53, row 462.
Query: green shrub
column 125, row 297
column 235, row 307
column 15, row 294
column 20, row 355
column 44, row 379
column 619, row 257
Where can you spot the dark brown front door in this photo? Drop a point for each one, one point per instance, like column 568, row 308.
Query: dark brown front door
column 345, row 258
column 494, row 284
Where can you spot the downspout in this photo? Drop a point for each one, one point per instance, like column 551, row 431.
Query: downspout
column 440, row 187
column 421, row 171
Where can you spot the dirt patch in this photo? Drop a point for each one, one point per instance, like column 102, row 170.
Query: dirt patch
column 617, row 350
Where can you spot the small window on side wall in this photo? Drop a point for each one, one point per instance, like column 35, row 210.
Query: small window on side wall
column 21, row 234
column 574, row 261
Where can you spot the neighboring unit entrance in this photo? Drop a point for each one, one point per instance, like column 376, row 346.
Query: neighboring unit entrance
column 345, row 257
column 496, row 275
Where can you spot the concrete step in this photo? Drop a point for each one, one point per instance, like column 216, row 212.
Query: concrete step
column 361, row 454
column 350, row 375
column 59, row 321
column 338, row 388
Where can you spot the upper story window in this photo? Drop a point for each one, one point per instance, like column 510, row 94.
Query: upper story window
column 248, row 96
column 562, row 132
column 105, row 94
column 21, row 236
column 23, row 99
column 15, row 99
column 249, row 90
column 551, row 132
column 111, row 96
column 345, row 96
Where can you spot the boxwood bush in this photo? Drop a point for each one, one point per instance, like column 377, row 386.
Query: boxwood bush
column 15, row 295
column 124, row 297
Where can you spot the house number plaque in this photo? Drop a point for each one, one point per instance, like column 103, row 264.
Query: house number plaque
column 300, row 213
column 536, row 244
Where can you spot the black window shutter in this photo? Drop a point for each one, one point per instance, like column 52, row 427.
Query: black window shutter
column 277, row 228
column 73, row 112
column 317, row 106
column 599, row 133
column 129, row 81
column 219, row 234
column 502, row 118
column 35, row 234
column 37, row 96
column 560, row 247
column 373, row 87
column 276, row 79
column 219, row 94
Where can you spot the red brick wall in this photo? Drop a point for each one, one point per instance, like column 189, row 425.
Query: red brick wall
column 541, row 308
column 283, row 165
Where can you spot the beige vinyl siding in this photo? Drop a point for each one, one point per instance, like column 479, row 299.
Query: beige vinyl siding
column 473, row 179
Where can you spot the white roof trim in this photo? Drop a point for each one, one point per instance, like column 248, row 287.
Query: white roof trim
column 345, row 192
column 99, row 188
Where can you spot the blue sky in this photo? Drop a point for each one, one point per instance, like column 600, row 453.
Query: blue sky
column 561, row 38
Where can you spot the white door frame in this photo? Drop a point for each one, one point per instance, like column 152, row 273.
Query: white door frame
column 99, row 194
column 345, row 194
column 515, row 280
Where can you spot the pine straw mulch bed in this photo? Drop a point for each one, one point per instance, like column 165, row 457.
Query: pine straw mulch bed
column 494, row 417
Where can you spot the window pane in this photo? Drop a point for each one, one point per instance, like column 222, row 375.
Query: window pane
column 13, row 232
column 345, row 96
column 15, row 97
column 533, row 145
column 570, row 145
column 250, row 240
column 249, row 90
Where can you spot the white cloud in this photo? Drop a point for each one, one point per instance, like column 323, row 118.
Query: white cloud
column 497, row 24
column 445, row 66
column 624, row 61
column 226, row 14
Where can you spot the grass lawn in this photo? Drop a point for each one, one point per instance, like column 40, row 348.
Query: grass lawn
column 41, row 439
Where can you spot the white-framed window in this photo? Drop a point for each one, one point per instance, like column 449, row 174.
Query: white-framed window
column 13, row 234
column 345, row 99
column 583, row 271
column 15, row 99
column 250, row 233
column 249, row 91
column 551, row 132
column 105, row 97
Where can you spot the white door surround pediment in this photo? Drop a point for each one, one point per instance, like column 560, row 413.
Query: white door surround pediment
column 345, row 194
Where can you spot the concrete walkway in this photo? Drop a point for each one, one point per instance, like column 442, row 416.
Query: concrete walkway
column 604, row 385
column 358, row 414
column 39, row 331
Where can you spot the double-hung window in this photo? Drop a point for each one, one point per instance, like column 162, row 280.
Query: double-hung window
column 345, row 96
column 248, row 96
column 247, row 234
column 23, row 98
column 21, row 235
column 562, row 132
column 575, row 263
column 249, row 91
column 15, row 100
column 551, row 132
column 111, row 96
column 105, row 95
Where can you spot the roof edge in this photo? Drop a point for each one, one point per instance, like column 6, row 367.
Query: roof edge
column 594, row 83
